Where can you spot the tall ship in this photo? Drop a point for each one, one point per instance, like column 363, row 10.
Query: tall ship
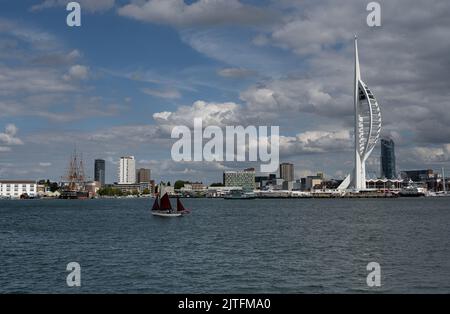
column 74, row 182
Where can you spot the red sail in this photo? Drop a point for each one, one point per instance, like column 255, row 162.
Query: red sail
column 180, row 206
column 156, row 204
column 165, row 202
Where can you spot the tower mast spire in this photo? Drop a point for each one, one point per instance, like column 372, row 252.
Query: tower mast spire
column 367, row 127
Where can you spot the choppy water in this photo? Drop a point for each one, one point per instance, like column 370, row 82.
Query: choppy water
column 251, row 246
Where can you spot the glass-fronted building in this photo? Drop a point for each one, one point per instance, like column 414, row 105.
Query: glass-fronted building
column 244, row 179
column 99, row 171
column 388, row 170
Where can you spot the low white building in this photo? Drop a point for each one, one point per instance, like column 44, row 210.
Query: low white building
column 16, row 188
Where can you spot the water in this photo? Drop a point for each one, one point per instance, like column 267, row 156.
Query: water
column 224, row 246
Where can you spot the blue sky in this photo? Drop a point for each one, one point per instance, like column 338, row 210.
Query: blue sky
column 102, row 86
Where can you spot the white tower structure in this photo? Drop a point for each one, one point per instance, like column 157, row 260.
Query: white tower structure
column 127, row 170
column 367, row 128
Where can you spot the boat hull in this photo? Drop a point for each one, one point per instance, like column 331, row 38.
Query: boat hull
column 165, row 214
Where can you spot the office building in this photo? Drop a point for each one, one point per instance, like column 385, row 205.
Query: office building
column 127, row 170
column 388, row 159
column 244, row 179
column 143, row 175
column 18, row 188
column 287, row 172
column 313, row 182
column 99, row 171
column 418, row 175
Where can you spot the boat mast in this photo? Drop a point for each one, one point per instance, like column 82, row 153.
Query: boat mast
column 443, row 181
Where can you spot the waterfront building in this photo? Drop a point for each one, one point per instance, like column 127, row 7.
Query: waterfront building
column 99, row 171
column 244, row 179
column 288, row 185
column 297, row 185
column 262, row 181
column 418, row 175
column 134, row 187
column 198, row 186
column 385, row 184
column 367, row 128
column 313, row 182
column 143, row 175
column 287, row 171
column 193, row 187
column 427, row 178
column 388, row 159
column 18, row 188
column 127, row 170
column 92, row 187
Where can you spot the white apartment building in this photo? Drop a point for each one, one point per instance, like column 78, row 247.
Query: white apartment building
column 127, row 170
column 16, row 188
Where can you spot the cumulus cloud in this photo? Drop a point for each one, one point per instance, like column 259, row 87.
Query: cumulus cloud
column 315, row 142
column 178, row 13
column 219, row 114
column 292, row 95
column 8, row 137
column 77, row 72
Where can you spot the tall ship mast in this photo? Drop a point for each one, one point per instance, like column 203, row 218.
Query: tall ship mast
column 74, row 182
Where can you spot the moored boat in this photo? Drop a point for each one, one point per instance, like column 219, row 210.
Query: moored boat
column 240, row 195
column 412, row 191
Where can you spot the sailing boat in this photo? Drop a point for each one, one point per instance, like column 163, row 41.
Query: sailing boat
column 444, row 191
column 163, row 208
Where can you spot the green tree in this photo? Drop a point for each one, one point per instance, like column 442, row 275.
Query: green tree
column 54, row 187
column 146, row 191
column 179, row 184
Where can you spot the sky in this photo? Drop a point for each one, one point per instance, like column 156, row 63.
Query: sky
column 133, row 70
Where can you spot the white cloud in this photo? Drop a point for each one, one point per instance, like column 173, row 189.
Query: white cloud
column 89, row 5
column 57, row 58
column 45, row 164
column 288, row 95
column 77, row 72
column 316, row 142
column 31, row 80
column 219, row 114
column 235, row 72
column 166, row 94
column 178, row 13
column 432, row 154
column 8, row 137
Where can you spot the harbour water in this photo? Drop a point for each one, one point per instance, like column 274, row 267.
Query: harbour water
column 226, row 246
